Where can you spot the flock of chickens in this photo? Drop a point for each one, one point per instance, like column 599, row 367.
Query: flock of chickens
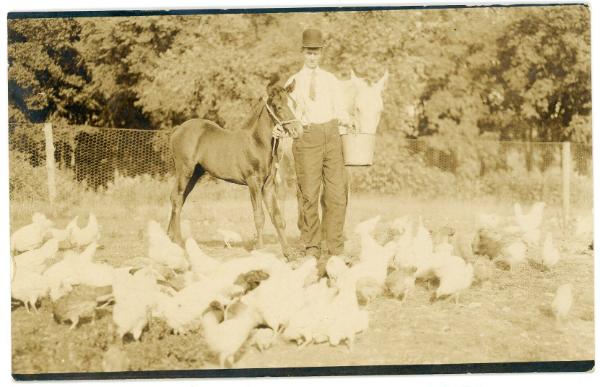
column 259, row 298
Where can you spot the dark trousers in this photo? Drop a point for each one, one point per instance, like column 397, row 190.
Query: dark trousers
column 320, row 166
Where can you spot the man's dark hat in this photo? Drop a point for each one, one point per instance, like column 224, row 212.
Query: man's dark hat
column 312, row 38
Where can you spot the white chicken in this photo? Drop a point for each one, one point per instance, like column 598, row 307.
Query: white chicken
column 403, row 243
column 344, row 319
column 513, row 254
column 95, row 274
column 281, row 295
column 455, row 276
column 169, row 308
column 183, row 310
column 61, row 276
column 429, row 266
column 550, row 254
column 200, row 262
column 257, row 261
column 367, row 290
column 563, row 300
column 374, row 259
column 84, row 236
column 229, row 237
column 263, row 338
column 28, row 287
column 418, row 252
column 31, row 236
column 62, row 236
column 307, row 325
column 400, row 283
column 336, row 269
column 75, row 269
column 529, row 224
column 227, row 337
column 34, row 260
column 401, row 224
column 162, row 250
column 135, row 296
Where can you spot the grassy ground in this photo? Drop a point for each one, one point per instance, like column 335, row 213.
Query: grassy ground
column 504, row 319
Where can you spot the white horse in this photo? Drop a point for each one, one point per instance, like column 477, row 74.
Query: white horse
column 364, row 104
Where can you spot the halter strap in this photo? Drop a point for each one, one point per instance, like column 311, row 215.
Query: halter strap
column 279, row 124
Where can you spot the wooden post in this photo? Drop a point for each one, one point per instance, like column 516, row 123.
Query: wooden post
column 50, row 165
column 566, row 182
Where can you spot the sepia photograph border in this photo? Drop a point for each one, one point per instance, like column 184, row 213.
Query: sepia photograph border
column 421, row 369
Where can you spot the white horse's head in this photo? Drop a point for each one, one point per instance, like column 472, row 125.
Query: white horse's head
column 368, row 102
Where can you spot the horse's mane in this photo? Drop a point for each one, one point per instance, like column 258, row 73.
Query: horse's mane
column 255, row 113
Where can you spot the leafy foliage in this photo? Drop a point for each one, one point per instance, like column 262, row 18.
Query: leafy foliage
column 540, row 81
column 47, row 75
column 513, row 73
column 457, row 77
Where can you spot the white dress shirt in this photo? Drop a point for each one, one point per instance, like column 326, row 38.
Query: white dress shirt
column 327, row 104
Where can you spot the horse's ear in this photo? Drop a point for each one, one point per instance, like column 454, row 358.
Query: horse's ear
column 383, row 81
column 352, row 75
column 290, row 88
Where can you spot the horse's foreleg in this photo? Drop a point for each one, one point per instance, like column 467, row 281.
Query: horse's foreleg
column 259, row 215
column 174, row 230
column 270, row 199
column 183, row 186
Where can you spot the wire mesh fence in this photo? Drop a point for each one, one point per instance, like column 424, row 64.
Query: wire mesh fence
column 99, row 159
column 95, row 155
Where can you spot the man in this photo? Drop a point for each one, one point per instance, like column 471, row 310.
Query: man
column 318, row 157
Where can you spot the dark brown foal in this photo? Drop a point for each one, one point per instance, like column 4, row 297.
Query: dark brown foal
column 246, row 156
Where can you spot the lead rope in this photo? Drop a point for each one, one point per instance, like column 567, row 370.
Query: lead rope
column 279, row 124
column 275, row 144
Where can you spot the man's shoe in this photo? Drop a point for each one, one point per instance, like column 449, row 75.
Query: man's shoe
column 322, row 267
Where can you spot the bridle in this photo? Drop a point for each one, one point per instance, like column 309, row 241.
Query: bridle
column 280, row 124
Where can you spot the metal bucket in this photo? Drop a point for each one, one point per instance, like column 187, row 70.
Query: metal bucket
column 358, row 148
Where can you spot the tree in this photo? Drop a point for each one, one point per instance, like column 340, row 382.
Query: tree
column 217, row 67
column 46, row 74
column 120, row 53
column 540, row 80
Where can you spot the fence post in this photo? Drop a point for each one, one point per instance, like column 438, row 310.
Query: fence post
column 566, row 182
column 50, row 165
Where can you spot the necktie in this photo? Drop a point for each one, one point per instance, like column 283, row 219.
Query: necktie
column 312, row 92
